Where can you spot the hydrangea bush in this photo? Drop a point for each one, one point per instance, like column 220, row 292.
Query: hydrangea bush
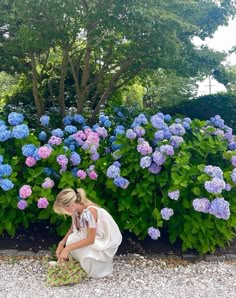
column 158, row 173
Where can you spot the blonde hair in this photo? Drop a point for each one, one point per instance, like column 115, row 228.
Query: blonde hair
column 68, row 196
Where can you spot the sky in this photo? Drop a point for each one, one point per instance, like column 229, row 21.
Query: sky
column 223, row 40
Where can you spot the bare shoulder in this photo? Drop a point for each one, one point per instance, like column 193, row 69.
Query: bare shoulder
column 94, row 212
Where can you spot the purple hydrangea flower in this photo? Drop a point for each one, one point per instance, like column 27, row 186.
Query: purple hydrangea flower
column 215, row 186
column 233, row 160
column 154, row 233
column 167, row 149
column 140, row 131
column 42, row 203
column 166, row 213
column 48, row 183
column 177, row 129
column 158, row 158
column 220, row 208
column 228, row 187
column 174, row 195
column 54, row 141
column 201, row 205
column 159, row 135
column 214, row 172
column 145, row 162
column 154, row 168
column 233, row 175
column 157, row 122
column 81, row 174
column 130, row 134
column 22, row 204
column 113, row 171
column 144, row 148
column 75, row 159
column 176, row 141
column 102, row 132
column 117, row 164
column 62, row 160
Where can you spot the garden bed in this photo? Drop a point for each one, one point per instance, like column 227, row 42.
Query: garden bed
column 40, row 236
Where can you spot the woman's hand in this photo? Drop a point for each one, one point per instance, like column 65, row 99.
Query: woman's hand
column 63, row 255
column 60, row 248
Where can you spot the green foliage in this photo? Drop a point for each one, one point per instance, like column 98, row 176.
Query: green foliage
column 205, row 107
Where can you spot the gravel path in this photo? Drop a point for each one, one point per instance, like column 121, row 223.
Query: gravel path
column 25, row 278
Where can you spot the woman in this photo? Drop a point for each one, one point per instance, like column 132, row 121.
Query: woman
column 94, row 236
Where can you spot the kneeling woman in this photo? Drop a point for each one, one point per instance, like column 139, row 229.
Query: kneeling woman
column 94, row 236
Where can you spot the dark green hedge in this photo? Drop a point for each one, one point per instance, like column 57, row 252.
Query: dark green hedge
column 207, row 106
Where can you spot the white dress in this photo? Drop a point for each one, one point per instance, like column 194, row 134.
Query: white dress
column 95, row 259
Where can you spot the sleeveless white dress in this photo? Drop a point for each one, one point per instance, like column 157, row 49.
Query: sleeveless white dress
column 95, row 259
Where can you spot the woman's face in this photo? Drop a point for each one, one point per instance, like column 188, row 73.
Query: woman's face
column 70, row 209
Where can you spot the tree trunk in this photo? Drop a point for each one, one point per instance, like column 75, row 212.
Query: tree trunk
column 61, row 97
column 37, row 98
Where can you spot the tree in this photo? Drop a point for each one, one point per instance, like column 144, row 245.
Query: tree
column 105, row 44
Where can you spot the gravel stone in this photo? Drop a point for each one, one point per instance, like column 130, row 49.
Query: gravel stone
column 139, row 277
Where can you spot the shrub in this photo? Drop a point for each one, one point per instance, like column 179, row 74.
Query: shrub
column 158, row 173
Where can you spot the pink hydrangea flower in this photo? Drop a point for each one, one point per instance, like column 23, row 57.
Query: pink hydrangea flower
column 44, row 151
column 81, row 174
column 93, row 175
column 42, row 203
column 48, row 183
column 30, row 161
column 25, row 191
column 62, row 160
column 55, row 140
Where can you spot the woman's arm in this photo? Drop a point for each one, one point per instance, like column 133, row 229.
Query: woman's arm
column 63, row 241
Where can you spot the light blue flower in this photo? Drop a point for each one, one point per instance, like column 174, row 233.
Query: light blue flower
column 154, row 233
column 6, row 184
column 20, row 131
column 44, row 120
column 15, row 118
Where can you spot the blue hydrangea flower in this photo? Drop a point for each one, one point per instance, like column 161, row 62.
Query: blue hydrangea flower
column 113, row 171
column 44, row 120
column 167, row 149
column 42, row 136
column 15, row 118
column 117, row 164
column 71, row 129
column 121, row 182
column 4, row 135
column 48, row 171
column 57, row 132
column 154, row 233
column 28, row 150
column 233, row 175
column 20, row 131
column 167, row 118
column 176, row 141
column 2, row 122
column 6, row 184
column 107, row 124
column 220, row 208
column 67, row 120
column 75, row 159
column 1, row 159
column 5, row 170
column 95, row 156
column 79, row 118
column 232, row 145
